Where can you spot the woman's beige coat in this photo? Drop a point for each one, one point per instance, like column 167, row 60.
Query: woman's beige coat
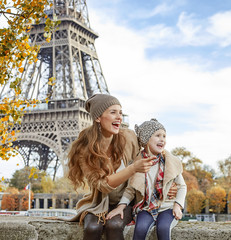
column 97, row 201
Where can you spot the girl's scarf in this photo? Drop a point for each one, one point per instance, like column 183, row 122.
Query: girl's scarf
column 154, row 204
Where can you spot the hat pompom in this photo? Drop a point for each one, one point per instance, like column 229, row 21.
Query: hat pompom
column 136, row 129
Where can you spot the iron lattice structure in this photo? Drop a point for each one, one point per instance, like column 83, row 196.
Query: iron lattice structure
column 70, row 57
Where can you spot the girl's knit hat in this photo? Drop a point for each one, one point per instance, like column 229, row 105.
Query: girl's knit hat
column 98, row 103
column 146, row 129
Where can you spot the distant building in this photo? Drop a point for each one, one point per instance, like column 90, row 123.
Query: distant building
column 52, row 200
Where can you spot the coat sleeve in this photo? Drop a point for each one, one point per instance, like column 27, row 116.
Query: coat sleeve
column 131, row 154
column 181, row 190
column 128, row 195
column 131, row 148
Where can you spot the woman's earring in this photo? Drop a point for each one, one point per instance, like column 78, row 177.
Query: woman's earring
column 99, row 127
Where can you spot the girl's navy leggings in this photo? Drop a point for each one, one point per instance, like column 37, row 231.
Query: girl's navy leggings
column 164, row 223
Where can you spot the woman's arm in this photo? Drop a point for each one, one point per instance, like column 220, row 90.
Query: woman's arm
column 172, row 191
column 181, row 190
column 125, row 200
column 142, row 165
column 109, row 183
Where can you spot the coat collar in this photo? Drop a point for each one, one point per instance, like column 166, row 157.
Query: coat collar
column 173, row 167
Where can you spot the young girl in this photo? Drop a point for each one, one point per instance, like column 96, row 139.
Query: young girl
column 101, row 156
column 153, row 207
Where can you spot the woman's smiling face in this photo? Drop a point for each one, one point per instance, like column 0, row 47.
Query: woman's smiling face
column 110, row 120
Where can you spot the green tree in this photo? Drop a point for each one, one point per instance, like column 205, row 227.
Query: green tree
column 195, row 201
column 63, row 185
column 47, row 184
column 22, row 177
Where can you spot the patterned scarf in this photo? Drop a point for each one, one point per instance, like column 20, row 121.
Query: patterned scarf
column 157, row 194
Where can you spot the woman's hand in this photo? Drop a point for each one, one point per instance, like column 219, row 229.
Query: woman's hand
column 117, row 211
column 177, row 212
column 143, row 165
column 172, row 191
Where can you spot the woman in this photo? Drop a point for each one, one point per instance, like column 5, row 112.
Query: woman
column 102, row 157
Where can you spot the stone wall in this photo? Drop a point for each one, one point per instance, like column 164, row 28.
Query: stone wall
column 34, row 228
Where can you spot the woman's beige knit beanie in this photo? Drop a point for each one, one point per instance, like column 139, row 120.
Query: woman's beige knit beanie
column 98, row 103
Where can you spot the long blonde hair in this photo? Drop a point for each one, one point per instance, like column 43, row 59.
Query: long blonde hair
column 87, row 148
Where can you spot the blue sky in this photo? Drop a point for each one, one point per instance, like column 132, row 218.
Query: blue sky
column 170, row 60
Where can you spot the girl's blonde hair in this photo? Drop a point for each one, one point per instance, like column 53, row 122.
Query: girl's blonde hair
column 86, row 148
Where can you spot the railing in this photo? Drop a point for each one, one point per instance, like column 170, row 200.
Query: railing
column 57, row 104
column 51, row 212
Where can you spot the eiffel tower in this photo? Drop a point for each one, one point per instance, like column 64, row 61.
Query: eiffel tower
column 70, row 57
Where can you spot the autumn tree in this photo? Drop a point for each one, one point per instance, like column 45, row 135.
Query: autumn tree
column 225, row 170
column 217, row 198
column 195, row 201
column 193, row 165
column 10, row 199
column 190, row 180
column 229, row 201
column 182, row 153
column 16, row 50
column 1, row 184
column 189, row 161
column 204, row 176
column 15, row 200
column 24, row 199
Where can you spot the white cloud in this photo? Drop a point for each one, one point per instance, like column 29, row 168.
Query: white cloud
column 191, row 31
column 220, row 28
column 161, row 9
column 148, row 87
column 188, row 31
column 165, row 8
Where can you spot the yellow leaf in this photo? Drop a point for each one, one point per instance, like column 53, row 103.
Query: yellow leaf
column 21, row 69
column 8, row 11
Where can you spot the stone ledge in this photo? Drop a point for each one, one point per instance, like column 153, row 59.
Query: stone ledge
column 37, row 228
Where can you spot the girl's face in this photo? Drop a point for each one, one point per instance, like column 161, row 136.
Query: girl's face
column 110, row 120
column 157, row 142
